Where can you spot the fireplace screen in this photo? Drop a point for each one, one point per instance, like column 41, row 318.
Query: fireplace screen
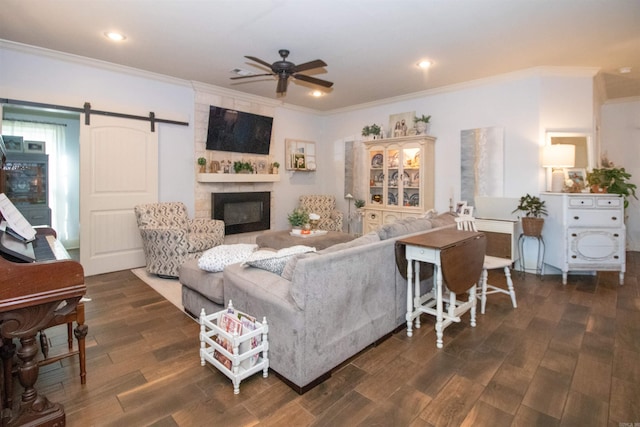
column 242, row 212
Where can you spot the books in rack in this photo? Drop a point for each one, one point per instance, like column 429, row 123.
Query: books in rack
column 249, row 325
column 237, row 323
column 228, row 322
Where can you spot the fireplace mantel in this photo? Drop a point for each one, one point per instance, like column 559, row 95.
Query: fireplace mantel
column 238, row 177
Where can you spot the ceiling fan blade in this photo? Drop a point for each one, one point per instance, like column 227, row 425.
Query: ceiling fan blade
column 259, row 61
column 282, row 85
column 313, row 80
column 318, row 63
column 253, row 75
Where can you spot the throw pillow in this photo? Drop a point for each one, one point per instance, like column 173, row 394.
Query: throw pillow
column 218, row 257
column 274, row 261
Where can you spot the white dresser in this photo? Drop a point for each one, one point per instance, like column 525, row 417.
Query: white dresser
column 584, row 232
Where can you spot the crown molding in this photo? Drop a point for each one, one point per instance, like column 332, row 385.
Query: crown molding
column 90, row 62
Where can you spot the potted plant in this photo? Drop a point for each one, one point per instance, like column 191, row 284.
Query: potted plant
column 242, row 167
column 274, row 167
column 298, row 218
column 612, row 180
column 533, row 208
column 371, row 131
column 359, row 204
column 422, row 124
column 203, row 164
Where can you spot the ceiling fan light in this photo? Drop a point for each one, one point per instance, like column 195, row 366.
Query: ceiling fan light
column 317, row 93
column 424, row 64
column 116, row 37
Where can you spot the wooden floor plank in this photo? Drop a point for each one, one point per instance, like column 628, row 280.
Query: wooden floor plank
column 568, row 355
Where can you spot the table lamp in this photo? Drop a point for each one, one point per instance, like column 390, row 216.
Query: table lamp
column 557, row 157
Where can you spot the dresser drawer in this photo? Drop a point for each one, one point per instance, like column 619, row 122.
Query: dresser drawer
column 594, row 217
column 609, row 202
column 596, row 245
column 585, row 201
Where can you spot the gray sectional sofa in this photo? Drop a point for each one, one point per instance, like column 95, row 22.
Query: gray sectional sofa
column 329, row 305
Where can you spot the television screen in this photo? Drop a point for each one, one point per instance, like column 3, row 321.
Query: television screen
column 240, row 132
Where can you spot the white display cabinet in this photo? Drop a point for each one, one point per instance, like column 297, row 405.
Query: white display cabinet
column 400, row 179
column 245, row 359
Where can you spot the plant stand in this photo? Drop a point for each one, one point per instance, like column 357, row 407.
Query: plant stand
column 539, row 260
column 245, row 360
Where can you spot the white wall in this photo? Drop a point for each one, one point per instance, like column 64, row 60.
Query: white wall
column 620, row 141
column 38, row 76
column 524, row 104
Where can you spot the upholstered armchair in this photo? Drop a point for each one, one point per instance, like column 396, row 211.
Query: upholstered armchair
column 170, row 238
column 325, row 206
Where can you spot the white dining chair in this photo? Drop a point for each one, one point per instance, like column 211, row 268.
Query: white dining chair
column 468, row 223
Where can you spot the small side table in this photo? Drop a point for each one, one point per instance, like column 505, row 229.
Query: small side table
column 541, row 248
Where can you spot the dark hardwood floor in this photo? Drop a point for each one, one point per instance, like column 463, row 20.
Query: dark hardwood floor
column 567, row 356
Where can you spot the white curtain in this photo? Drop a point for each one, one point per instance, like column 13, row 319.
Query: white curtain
column 64, row 215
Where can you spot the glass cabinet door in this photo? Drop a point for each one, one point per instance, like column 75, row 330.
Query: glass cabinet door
column 411, row 176
column 394, row 181
column 376, row 176
column 25, row 181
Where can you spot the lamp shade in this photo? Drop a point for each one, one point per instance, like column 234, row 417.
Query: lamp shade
column 559, row 156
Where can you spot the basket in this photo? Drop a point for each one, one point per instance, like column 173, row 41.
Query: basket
column 532, row 226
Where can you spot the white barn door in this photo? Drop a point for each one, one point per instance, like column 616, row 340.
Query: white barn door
column 118, row 170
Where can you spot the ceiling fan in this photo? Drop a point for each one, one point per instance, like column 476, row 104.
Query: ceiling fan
column 284, row 69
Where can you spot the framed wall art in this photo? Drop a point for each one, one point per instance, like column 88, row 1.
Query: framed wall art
column 34, row 147
column 13, row 144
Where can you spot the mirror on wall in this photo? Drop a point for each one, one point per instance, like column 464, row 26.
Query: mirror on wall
column 582, row 142
column 584, row 160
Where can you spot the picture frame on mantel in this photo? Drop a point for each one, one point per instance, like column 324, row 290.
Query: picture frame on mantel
column 401, row 124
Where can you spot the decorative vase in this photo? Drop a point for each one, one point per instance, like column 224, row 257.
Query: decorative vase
column 275, row 170
column 203, row 168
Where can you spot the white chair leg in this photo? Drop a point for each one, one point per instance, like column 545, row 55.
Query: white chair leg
column 483, row 291
column 473, row 300
column 512, row 292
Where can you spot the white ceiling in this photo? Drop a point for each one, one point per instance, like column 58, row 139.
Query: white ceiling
column 371, row 46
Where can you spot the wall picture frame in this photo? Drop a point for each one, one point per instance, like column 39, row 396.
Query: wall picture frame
column 13, row 144
column 34, row 147
column 401, row 124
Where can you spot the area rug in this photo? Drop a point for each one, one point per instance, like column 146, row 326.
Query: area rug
column 168, row 288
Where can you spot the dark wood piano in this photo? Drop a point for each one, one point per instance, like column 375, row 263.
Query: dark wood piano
column 34, row 296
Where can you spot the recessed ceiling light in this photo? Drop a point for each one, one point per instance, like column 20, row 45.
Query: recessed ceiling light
column 317, row 93
column 116, row 37
column 424, row 64
column 624, row 70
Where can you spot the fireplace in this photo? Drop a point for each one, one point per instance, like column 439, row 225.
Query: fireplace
column 242, row 212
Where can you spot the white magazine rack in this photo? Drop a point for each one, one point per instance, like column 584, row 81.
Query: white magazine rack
column 245, row 361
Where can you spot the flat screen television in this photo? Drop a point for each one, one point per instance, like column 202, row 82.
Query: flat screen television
column 237, row 131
